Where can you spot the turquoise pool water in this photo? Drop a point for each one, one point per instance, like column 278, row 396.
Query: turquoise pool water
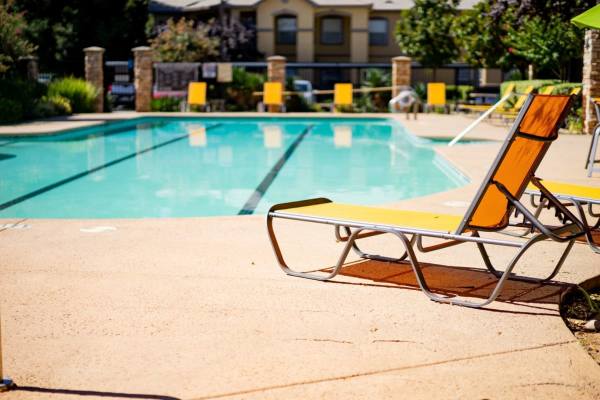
column 181, row 167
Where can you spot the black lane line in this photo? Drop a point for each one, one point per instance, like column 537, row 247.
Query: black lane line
column 262, row 187
column 80, row 175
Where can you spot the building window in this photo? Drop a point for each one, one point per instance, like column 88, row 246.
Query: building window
column 378, row 32
column 286, row 30
column 332, row 30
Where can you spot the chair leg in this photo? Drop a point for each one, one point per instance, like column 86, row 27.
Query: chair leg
column 307, row 275
column 369, row 256
column 588, row 233
column 486, row 260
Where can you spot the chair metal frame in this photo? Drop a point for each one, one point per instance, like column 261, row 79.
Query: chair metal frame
column 571, row 201
column 568, row 232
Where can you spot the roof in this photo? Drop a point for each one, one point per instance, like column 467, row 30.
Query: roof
column 378, row 5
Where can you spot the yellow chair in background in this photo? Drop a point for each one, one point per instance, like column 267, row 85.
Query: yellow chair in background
column 342, row 94
column 436, row 95
column 547, row 90
column 196, row 95
column 513, row 111
column 575, row 91
column 273, row 95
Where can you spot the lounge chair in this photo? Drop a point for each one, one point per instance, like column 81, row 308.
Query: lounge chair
column 273, row 96
column 342, row 95
column 531, row 135
column 196, row 95
column 513, row 111
column 484, row 107
column 572, row 195
column 436, row 96
column 547, row 90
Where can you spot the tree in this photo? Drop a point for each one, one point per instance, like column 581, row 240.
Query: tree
column 425, row 32
column 481, row 38
column 62, row 28
column 13, row 44
column 182, row 41
column 547, row 43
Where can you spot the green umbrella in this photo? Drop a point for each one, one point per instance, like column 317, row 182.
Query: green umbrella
column 588, row 19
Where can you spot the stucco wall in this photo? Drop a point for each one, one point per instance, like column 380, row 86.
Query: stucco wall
column 268, row 10
column 385, row 53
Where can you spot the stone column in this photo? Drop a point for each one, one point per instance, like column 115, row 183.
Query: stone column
column 276, row 73
column 29, row 67
column 400, row 73
column 94, row 73
column 142, row 73
column 591, row 78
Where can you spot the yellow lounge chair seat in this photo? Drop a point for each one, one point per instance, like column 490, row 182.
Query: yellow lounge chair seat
column 380, row 216
column 579, row 192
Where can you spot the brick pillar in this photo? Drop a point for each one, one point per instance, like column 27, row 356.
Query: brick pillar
column 591, row 77
column 400, row 73
column 94, row 73
column 142, row 77
column 276, row 73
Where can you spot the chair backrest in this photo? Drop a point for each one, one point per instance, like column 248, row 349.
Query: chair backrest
column 196, row 93
column 509, row 89
column 531, row 134
column 342, row 94
column 521, row 100
column 575, row 91
column 436, row 94
column 273, row 94
column 547, row 90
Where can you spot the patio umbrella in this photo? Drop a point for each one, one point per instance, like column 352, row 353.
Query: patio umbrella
column 588, row 19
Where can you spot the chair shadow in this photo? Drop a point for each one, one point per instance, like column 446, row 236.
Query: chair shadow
column 458, row 281
column 95, row 393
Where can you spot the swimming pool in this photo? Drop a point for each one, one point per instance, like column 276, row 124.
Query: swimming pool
column 182, row 167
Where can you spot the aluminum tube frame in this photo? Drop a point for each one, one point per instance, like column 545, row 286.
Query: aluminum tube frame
column 408, row 246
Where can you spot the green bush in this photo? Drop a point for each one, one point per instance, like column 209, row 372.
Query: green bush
column 166, row 104
column 537, row 84
column 565, row 88
column 81, row 94
column 52, row 106
column 18, row 98
column 10, row 111
column 239, row 92
column 458, row 92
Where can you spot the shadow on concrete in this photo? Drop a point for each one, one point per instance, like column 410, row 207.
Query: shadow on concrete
column 95, row 393
column 458, row 281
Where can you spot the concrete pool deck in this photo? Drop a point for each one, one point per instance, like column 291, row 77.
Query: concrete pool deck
column 197, row 308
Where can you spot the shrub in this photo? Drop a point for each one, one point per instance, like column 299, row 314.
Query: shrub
column 239, row 92
column 18, row 98
column 10, row 111
column 458, row 92
column 81, row 94
column 537, row 84
column 166, row 104
column 52, row 106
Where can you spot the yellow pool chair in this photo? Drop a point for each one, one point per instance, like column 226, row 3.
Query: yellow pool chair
column 273, row 96
column 547, row 90
column 573, row 195
column 342, row 95
column 484, row 107
column 196, row 95
column 511, row 172
column 436, row 96
column 513, row 112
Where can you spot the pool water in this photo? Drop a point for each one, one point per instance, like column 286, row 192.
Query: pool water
column 182, row 167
